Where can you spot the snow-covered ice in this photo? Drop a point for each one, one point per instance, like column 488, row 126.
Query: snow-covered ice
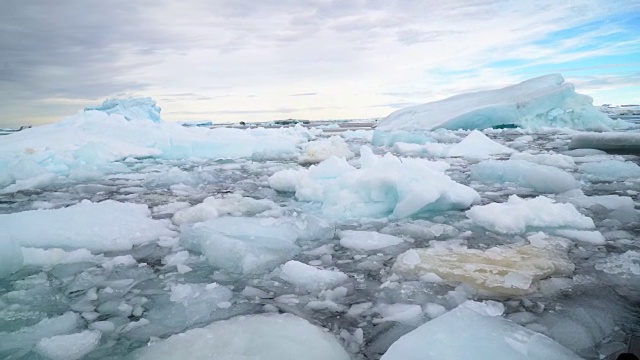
column 541, row 178
column 68, row 347
column 367, row 240
column 535, row 103
column 310, row 278
column 475, row 330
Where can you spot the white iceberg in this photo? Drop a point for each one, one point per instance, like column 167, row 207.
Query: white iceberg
column 264, row 336
column 477, row 145
column 383, row 186
column 475, row 331
column 98, row 227
column 517, row 214
column 546, row 101
column 130, row 108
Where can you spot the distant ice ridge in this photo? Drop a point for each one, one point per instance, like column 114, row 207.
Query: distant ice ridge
column 383, row 186
column 475, row 330
column 546, row 101
column 130, row 108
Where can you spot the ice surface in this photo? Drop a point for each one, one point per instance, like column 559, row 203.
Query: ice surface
column 320, row 150
column 367, row 240
column 25, row 338
column 310, row 278
column 516, row 215
column 591, row 237
column 130, row 109
column 618, row 142
column 212, row 207
column 68, row 347
column 610, row 170
column 11, row 258
column 383, row 186
column 264, row 336
column 478, row 146
column 409, row 314
column 626, row 264
column 555, row 160
column 512, row 270
column 540, row 102
column 541, row 178
column 243, row 245
column 54, row 256
column 103, row 226
column 475, row 330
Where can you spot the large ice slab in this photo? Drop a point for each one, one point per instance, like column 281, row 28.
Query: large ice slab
column 130, row 108
column 99, row 227
column 510, row 270
column 243, row 245
column 475, row 331
column 541, row 178
column 264, row 336
column 540, row 102
column 616, row 142
column 517, row 214
column 11, row 259
column 383, row 186
column 610, row 170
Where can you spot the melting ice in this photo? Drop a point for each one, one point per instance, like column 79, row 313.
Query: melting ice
column 126, row 237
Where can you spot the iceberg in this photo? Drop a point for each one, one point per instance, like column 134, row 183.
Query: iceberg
column 264, row 336
column 383, row 186
column 475, row 330
column 477, row 145
column 546, row 101
column 130, row 108
column 517, row 214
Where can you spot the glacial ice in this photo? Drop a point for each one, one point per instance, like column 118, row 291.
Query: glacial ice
column 546, row 101
column 264, row 336
column 541, row 178
column 383, row 186
column 517, row 215
column 475, row 330
column 84, row 226
column 511, row 270
column 130, row 108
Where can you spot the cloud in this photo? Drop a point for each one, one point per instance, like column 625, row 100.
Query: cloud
column 206, row 56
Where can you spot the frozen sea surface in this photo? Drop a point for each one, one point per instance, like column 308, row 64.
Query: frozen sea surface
column 144, row 254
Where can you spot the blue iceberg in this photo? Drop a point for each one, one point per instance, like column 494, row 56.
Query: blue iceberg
column 130, row 108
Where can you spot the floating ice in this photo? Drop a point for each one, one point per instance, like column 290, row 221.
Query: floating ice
column 264, row 336
column 383, row 186
column 367, row 240
column 212, row 207
column 242, row 244
column 516, row 215
column 410, row 314
column 320, row 150
column 555, row 160
column 512, row 270
column 68, row 347
column 11, row 258
column 535, row 103
column 51, row 257
column 541, row 178
column 478, row 146
column 310, row 278
column 610, row 170
column 618, row 142
column 103, row 226
column 591, row 237
column 625, row 264
column 25, row 338
column 130, row 109
column 475, row 330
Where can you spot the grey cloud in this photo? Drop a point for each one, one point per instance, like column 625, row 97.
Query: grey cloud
column 305, row 94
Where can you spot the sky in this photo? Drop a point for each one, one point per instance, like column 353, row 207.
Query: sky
column 260, row 60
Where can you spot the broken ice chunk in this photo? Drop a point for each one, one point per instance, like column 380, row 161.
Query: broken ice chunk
column 319, row 150
column 541, row 178
column 311, row 278
column 367, row 240
column 68, row 347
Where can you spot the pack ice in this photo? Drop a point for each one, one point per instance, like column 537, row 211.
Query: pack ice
column 546, row 101
column 475, row 330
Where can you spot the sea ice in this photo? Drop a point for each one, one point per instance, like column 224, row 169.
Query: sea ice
column 540, row 178
column 68, row 347
column 475, row 330
column 618, row 142
column 591, row 237
column 555, row 160
column 610, row 170
column 212, row 207
column 310, row 278
column 85, row 225
column 320, row 150
column 477, row 145
column 367, row 240
column 11, row 258
column 535, row 103
column 512, row 270
column 130, row 109
column 24, row 339
column 243, row 245
column 263, row 336
column 383, row 186
column 516, row 215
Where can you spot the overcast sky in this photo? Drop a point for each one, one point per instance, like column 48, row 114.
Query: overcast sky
column 227, row 61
